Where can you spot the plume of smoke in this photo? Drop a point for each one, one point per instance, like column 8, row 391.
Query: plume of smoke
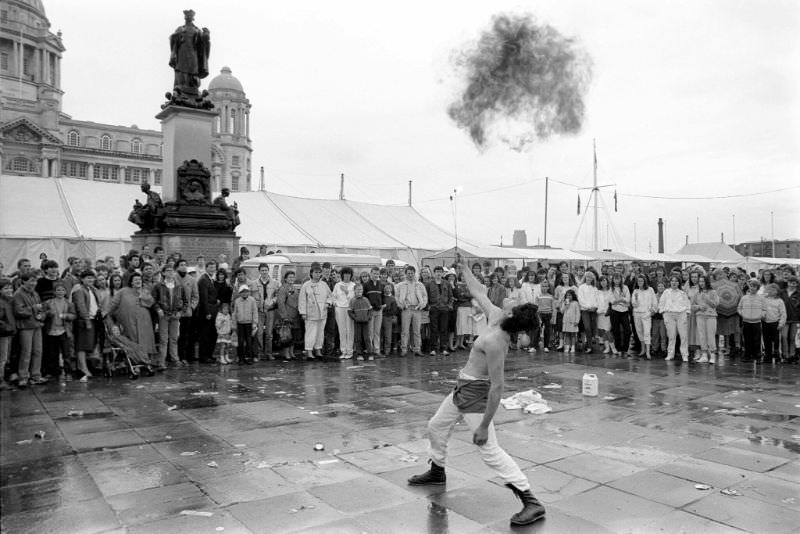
column 523, row 81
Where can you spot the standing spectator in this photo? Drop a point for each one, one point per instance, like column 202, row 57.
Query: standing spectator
column 571, row 312
column 207, row 312
column 8, row 326
column 390, row 317
column 752, row 310
column 29, row 315
column 288, row 312
column 245, row 315
column 440, row 301
column 373, row 290
column 23, row 267
column 690, row 287
column 587, row 300
column 89, row 315
column 185, row 332
column 224, row 289
column 464, row 323
column 170, row 305
column 791, row 300
column 130, row 311
column 264, row 290
column 412, row 298
column 496, row 292
column 674, row 305
column 313, row 301
column 60, row 314
column 620, row 306
column 604, row 298
column 644, row 305
column 545, row 305
column 704, row 306
column 223, row 323
column 244, row 255
column 361, row 311
column 343, row 293
column 565, row 282
column 774, row 321
column 133, row 266
column 262, row 251
column 45, row 284
column 329, row 343
column 658, row 331
column 159, row 257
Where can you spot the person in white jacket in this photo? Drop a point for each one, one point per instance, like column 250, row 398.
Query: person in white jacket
column 343, row 293
column 644, row 306
column 588, row 302
column 674, row 305
column 313, row 301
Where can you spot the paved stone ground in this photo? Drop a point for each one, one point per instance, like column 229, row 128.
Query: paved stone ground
column 237, row 445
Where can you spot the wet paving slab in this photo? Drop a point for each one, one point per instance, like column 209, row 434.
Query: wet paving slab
column 328, row 446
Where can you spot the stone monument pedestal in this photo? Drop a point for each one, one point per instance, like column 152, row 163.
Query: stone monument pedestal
column 190, row 245
column 187, row 136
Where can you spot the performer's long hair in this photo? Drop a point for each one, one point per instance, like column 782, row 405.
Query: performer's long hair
column 523, row 318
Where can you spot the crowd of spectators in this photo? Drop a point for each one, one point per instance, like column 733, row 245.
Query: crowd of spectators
column 165, row 312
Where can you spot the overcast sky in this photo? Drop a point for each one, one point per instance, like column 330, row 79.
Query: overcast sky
column 693, row 98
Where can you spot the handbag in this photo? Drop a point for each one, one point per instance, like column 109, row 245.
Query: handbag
column 285, row 337
column 608, row 310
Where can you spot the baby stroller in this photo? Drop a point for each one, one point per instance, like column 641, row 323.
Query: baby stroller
column 121, row 355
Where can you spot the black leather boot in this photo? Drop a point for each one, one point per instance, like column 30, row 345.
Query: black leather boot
column 532, row 509
column 432, row 477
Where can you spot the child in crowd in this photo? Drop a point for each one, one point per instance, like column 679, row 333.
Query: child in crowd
column 8, row 326
column 545, row 302
column 569, row 322
column 245, row 314
column 773, row 323
column 60, row 314
column 752, row 309
column 223, row 325
column 360, row 312
column 604, row 300
column 391, row 314
column 658, row 330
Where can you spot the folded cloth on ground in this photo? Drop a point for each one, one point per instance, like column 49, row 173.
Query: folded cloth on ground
column 530, row 401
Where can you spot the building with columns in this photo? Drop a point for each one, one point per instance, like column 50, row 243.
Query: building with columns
column 38, row 139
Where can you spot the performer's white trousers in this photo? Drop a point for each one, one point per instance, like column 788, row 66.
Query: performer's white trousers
column 440, row 428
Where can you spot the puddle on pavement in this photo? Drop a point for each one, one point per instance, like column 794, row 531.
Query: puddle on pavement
column 196, row 402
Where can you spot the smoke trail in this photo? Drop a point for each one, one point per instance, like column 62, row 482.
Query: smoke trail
column 524, row 81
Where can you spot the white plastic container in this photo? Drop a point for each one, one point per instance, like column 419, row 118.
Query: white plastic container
column 590, row 385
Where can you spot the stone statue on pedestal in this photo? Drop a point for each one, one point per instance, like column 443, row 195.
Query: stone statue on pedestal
column 232, row 212
column 189, row 51
column 148, row 217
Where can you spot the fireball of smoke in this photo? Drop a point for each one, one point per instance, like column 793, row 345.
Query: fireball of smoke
column 521, row 76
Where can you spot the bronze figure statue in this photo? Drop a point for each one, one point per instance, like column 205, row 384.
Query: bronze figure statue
column 148, row 216
column 189, row 50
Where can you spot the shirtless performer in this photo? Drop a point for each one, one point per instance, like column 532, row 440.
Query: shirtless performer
column 476, row 398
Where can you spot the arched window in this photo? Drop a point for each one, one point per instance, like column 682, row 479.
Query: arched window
column 105, row 142
column 136, row 146
column 73, row 138
column 232, row 123
column 21, row 164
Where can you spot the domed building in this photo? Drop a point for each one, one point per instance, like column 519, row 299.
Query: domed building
column 232, row 148
column 38, row 139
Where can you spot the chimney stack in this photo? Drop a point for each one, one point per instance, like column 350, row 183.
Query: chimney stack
column 687, row 239
column 409, row 193
column 722, row 237
column 660, row 235
column 262, row 184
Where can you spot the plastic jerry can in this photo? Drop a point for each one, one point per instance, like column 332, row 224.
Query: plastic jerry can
column 590, row 385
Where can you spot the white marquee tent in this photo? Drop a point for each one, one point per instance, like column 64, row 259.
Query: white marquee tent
column 73, row 217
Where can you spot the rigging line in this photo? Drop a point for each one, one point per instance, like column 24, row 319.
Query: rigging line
column 585, row 211
column 712, row 197
column 485, row 191
column 614, row 233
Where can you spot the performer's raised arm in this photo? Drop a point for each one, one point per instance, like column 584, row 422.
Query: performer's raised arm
column 476, row 289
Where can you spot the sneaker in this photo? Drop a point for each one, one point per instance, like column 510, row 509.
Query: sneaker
column 360, row 358
column 546, row 349
column 533, row 350
column 433, row 353
column 419, row 354
column 37, row 381
column 371, row 358
column 445, row 353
